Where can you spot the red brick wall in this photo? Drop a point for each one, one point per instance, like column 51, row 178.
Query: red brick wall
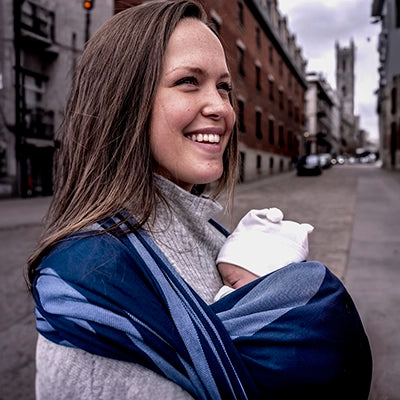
column 255, row 99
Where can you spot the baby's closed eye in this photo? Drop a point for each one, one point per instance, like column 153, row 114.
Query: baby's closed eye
column 234, row 276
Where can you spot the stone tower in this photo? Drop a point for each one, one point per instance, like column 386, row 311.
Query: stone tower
column 345, row 60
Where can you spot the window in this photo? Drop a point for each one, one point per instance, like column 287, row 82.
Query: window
column 290, row 108
column 280, row 68
column 259, row 165
column 394, row 101
column 344, row 91
column 271, row 131
column 344, row 65
column 271, row 54
column 296, row 114
column 241, row 61
column 271, row 164
column 216, row 25
column 241, row 125
column 397, row 13
column 216, row 21
column 34, row 89
column 290, row 140
column 240, row 14
column 281, row 98
column 258, row 38
column 258, row 77
column 393, row 143
column 281, row 137
column 258, row 125
column 271, row 89
column 3, row 161
column 242, row 163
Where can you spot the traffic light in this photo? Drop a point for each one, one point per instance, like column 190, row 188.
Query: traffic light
column 88, row 4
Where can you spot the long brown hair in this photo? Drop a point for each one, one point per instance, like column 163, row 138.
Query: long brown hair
column 104, row 162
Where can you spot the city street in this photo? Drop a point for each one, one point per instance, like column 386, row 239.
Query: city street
column 355, row 210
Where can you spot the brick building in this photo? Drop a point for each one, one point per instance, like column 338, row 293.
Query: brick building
column 269, row 75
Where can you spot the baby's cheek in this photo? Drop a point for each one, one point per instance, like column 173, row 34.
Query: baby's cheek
column 228, row 273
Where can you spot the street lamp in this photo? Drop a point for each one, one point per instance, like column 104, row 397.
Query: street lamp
column 87, row 5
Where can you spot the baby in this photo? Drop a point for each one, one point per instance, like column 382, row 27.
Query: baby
column 261, row 243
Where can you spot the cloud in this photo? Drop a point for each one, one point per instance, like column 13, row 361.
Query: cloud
column 319, row 24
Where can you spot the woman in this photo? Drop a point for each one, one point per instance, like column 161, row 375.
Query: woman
column 125, row 270
column 145, row 105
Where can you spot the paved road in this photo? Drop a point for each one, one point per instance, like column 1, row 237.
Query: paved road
column 355, row 211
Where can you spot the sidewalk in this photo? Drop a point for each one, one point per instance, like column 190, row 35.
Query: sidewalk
column 22, row 212
column 373, row 275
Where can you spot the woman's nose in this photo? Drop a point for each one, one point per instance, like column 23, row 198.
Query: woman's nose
column 215, row 105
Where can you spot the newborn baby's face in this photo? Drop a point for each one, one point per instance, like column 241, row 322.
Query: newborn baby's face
column 234, row 276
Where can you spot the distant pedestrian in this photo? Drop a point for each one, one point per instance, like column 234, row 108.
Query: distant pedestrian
column 125, row 276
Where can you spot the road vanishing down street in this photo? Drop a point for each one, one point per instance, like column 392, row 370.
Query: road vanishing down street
column 355, row 210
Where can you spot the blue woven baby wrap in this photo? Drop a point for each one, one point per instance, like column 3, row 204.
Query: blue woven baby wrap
column 292, row 334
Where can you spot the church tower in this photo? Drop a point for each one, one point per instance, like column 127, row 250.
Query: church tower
column 345, row 60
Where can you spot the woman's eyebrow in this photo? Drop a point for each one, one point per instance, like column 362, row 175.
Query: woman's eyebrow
column 193, row 70
column 197, row 71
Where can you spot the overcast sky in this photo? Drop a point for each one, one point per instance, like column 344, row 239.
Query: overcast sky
column 317, row 24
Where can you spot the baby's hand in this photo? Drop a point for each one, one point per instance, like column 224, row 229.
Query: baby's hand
column 234, row 276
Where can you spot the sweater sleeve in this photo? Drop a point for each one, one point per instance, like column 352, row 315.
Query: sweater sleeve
column 68, row 373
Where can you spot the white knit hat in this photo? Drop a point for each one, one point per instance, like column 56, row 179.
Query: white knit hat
column 263, row 242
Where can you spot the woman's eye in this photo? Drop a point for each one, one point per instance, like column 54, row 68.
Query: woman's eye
column 187, row 80
column 225, row 86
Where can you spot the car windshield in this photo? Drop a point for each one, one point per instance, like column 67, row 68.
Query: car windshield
column 312, row 160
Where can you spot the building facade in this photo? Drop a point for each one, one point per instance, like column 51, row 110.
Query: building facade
column 40, row 42
column 323, row 117
column 387, row 12
column 268, row 71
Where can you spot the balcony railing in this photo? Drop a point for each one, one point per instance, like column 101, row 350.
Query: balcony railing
column 37, row 23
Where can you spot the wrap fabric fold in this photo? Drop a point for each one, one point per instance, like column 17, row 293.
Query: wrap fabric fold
column 294, row 331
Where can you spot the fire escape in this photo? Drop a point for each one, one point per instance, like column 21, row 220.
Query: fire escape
column 35, row 50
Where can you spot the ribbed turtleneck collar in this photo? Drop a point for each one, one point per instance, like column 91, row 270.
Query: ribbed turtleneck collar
column 185, row 203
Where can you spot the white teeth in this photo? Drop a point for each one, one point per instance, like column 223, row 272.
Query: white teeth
column 210, row 138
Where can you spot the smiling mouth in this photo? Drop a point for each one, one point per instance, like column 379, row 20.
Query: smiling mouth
column 204, row 138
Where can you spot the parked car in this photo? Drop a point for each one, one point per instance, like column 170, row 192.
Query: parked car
column 325, row 160
column 309, row 166
column 351, row 160
column 340, row 160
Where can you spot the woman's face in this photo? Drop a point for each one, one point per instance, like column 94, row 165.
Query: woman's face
column 192, row 118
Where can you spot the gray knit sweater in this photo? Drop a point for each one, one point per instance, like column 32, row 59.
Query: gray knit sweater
column 191, row 244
